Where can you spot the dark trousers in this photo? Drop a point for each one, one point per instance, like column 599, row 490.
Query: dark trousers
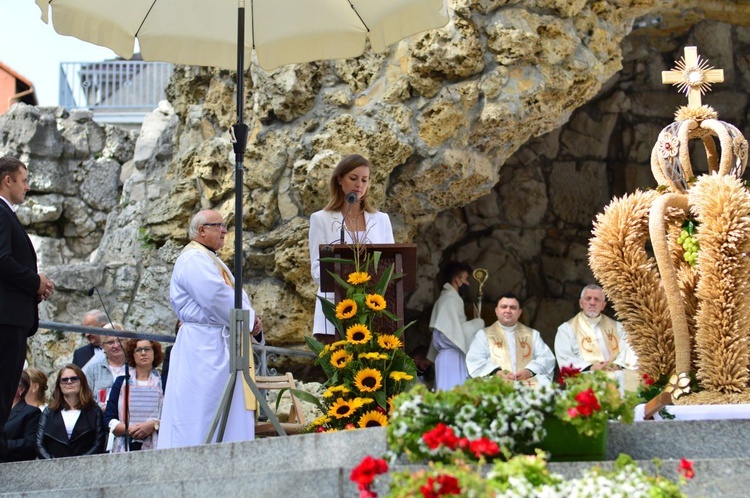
column 12, row 356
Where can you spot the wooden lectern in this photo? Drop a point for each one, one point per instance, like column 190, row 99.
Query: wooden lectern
column 402, row 256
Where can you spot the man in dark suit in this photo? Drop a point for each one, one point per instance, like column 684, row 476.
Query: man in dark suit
column 82, row 355
column 21, row 287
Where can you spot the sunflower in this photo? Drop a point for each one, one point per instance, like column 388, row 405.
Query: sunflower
column 346, row 309
column 341, row 409
column 389, row 341
column 341, row 358
column 375, row 302
column 358, row 277
column 323, row 419
column 368, row 380
column 336, row 345
column 396, row 375
column 390, row 402
column 335, row 389
column 358, row 334
column 372, row 356
column 360, row 402
column 373, row 418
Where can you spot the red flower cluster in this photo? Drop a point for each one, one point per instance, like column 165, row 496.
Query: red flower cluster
column 441, row 434
column 443, row 485
column 686, row 468
column 364, row 473
column 567, row 372
column 648, row 380
column 587, row 404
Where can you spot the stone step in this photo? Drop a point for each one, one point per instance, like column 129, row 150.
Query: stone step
column 721, row 450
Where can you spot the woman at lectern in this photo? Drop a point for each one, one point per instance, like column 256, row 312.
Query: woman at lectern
column 349, row 212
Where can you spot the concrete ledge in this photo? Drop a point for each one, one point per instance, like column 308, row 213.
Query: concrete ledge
column 319, row 464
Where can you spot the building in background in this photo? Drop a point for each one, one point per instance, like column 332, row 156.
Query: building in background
column 14, row 88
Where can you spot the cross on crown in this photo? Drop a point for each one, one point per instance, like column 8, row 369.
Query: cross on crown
column 693, row 76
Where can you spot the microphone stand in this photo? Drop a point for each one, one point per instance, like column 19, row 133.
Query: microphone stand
column 351, row 198
column 126, row 401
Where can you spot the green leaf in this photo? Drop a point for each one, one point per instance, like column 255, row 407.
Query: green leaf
column 385, row 279
column 376, row 259
column 341, row 282
column 400, row 331
column 309, row 398
column 314, row 345
column 380, row 399
column 329, row 310
column 337, row 260
column 390, row 315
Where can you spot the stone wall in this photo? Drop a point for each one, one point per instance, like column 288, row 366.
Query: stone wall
column 486, row 142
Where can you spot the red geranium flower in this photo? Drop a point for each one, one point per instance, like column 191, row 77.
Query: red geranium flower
column 441, row 434
column 566, row 372
column 587, row 402
column 443, row 485
column 484, row 446
column 686, row 468
column 364, row 473
column 647, row 379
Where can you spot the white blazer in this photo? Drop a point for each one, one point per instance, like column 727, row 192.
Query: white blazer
column 325, row 228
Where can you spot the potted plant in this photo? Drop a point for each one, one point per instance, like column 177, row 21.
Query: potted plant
column 367, row 368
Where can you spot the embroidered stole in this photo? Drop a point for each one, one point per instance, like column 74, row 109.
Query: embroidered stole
column 588, row 342
column 250, row 401
column 500, row 354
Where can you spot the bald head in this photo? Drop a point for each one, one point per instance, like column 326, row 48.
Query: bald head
column 207, row 228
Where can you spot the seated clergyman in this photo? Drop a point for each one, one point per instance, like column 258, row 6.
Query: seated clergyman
column 509, row 349
column 591, row 340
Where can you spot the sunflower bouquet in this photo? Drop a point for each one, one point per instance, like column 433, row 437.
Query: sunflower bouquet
column 367, row 368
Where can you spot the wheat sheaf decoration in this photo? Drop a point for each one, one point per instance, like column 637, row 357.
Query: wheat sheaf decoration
column 686, row 308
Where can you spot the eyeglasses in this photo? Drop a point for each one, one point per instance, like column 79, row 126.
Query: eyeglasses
column 70, row 380
column 222, row 225
column 146, row 349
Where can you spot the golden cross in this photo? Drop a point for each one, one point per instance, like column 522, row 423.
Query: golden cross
column 692, row 76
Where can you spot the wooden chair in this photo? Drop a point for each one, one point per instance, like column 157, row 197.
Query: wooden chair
column 296, row 420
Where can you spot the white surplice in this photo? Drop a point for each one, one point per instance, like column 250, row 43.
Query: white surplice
column 325, row 228
column 452, row 334
column 199, row 362
column 568, row 351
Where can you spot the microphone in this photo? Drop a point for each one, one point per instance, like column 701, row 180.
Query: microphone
column 127, row 368
column 351, row 198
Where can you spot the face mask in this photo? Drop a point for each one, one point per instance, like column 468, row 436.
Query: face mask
column 463, row 289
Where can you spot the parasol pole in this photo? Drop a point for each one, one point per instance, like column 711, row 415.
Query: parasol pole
column 240, row 343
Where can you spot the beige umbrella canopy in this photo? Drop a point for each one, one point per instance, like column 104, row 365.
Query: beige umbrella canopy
column 204, row 32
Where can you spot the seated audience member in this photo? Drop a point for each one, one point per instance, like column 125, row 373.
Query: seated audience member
column 145, row 398
column 72, row 424
column 101, row 374
column 84, row 354
column 37, row 395
column 509, row 349
column 22, row 425
column 592, row 341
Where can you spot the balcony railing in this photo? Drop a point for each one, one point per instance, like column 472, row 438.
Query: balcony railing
column 113, row 86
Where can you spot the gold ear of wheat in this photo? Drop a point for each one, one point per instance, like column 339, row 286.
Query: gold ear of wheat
column 687, row 276
column 722, row 205
column 618, row 259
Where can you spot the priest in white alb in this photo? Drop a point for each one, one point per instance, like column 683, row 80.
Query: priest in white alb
column 452, row 333
column 202, row 294
column 510, row 349
column 591, row 340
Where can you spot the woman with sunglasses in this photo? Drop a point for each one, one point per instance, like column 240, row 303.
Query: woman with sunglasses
column 145, row 397
column 72, row 424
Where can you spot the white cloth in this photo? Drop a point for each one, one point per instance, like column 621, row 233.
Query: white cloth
column 479, row 361
column 699, row 412
column 452, row 334
column 325, row 228
column 568, row 351
column 199, row 362
column 70, row 417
